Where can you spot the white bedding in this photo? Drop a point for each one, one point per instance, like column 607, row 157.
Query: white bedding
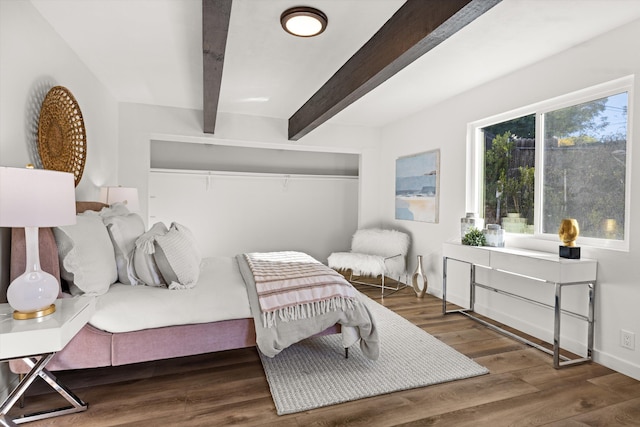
column 220, row 294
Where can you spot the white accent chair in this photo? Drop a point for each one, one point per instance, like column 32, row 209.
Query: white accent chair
column 375, row 252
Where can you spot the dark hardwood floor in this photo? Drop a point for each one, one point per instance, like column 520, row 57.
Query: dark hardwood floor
column 229, row 388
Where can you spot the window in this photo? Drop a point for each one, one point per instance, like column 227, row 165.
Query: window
column 509, row 173
column 564, row 158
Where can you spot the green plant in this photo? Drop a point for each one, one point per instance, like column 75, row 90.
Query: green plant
column 474, row 237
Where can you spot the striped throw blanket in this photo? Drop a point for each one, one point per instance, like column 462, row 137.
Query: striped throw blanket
column 294, row 285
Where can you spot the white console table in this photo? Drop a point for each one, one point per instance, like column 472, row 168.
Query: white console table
column 544, row 267
column 41, row 337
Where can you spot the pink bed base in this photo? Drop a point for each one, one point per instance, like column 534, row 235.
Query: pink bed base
column 94, row 348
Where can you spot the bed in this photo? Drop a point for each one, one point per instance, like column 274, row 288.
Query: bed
column 139, row 323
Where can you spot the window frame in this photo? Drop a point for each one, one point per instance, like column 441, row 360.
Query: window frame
column 475, row 157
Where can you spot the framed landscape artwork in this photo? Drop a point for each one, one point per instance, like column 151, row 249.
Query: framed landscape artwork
column 418, row 187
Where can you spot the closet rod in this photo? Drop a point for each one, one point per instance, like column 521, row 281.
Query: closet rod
column 267, row 175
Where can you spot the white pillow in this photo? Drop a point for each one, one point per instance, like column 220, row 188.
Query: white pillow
column 115, row 209
column 124, row 230
column 86, row 254
column 177, row 257
column 145, row 270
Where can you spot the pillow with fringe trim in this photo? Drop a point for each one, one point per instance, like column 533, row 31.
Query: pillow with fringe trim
column 145, row 270
column 178, row 258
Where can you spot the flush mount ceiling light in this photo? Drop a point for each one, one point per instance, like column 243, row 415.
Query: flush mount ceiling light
column 303, row 21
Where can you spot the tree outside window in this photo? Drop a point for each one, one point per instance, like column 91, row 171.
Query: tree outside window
column 585, row 167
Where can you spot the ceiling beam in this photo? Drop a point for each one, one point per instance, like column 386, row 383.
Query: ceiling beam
column 215, row 26
column 416, row 28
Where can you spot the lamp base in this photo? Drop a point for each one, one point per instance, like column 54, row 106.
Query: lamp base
column 20, row 315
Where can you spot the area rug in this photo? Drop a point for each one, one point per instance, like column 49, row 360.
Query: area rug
column 314, row 373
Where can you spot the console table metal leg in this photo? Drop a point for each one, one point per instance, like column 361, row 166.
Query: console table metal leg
column 556, row 326
column 444, row 285
column 590, row 322
column 472, row 290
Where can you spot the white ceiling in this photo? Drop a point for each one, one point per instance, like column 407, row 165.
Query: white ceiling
column 150, row 51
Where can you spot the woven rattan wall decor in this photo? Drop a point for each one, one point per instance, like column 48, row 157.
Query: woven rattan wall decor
column 62, row 139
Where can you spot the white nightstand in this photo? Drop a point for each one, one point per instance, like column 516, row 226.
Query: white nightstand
column 27, row 339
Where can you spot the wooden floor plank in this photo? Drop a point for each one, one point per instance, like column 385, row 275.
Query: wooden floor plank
column 545, row 378
column 621, row 414
column 535, row 409
column 415, row 404
column 469, row 335
column 515, row 361
column 618, row 383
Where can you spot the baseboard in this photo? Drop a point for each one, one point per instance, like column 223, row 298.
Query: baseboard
column 612, row 362
column 568, row 343
column 435, row 292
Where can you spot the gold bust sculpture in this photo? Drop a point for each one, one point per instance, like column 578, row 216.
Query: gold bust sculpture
column 569, row 231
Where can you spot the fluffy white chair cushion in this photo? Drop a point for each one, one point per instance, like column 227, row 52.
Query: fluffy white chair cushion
column 367, row 265
column 384, row 243
column 360, row 264
column 86, row 254
column 369, row 247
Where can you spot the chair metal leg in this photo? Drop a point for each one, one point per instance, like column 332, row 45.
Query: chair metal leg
column 399, row 284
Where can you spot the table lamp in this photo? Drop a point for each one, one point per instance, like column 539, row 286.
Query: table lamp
column 126, row 195
column 33, row 198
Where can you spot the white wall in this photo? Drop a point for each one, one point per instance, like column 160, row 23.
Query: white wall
column 139, row 124
column 238, row 213
column 605, row 58
column 34, row 59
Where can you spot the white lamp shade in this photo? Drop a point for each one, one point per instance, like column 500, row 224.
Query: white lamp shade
column 125, row 195
column 36, row 198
